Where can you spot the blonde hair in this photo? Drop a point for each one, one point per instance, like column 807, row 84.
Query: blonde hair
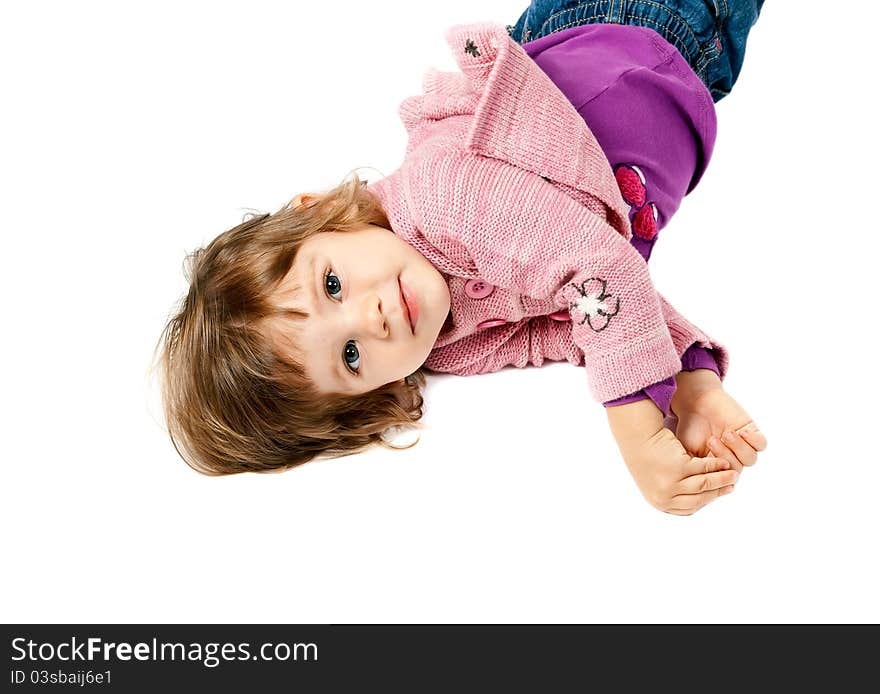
column 233, row 402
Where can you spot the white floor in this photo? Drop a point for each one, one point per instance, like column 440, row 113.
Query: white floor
column 131, row 137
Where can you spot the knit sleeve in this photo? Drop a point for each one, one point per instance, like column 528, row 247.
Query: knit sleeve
column 541, row 339
column 537, row 340
column 685, row 335
column 523, row 233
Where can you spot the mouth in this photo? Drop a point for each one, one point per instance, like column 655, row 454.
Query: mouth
column 409, row 306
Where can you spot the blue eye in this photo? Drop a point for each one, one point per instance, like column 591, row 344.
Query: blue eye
column 350, row 354
column 335, row 282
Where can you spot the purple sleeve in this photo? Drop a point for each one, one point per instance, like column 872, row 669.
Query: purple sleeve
column 661, row 393
column 698, row 358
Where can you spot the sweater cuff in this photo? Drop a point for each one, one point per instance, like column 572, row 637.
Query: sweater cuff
column 696, row 357
column 660, row 393
column 617, row 371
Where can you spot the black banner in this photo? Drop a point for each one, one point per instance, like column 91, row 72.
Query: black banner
column 412, row 658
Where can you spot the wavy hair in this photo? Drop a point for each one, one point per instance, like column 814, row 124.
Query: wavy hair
column 232, row 401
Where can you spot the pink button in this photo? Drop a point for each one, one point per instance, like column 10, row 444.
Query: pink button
column 560, row 316
column 494, row 322
column 477, row 289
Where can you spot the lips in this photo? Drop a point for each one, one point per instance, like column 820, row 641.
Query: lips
column 409, row 305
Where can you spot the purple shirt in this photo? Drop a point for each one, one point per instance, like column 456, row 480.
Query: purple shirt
column 655, row 121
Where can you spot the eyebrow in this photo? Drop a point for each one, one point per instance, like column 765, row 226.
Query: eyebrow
column 338, row 368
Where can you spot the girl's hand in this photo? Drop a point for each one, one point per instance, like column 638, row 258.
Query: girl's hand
column 669, row 478
column 674, row 481
column 708, row 416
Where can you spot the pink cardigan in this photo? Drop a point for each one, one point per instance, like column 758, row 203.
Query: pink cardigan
column 506, row 191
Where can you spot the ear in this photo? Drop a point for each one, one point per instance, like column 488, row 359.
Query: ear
column 301, row 198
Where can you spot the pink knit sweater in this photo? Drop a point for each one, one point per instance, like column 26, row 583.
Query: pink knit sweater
column 506, row 191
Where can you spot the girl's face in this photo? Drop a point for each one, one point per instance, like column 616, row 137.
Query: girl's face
column 358, row 336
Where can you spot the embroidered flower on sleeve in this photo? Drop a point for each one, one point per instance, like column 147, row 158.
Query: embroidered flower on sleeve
column 471, row 47
column 590, row 303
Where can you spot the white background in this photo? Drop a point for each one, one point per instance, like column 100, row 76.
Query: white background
column 132, row 134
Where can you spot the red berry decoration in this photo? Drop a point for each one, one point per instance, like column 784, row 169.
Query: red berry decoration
column 645, row 223
column 631, row 182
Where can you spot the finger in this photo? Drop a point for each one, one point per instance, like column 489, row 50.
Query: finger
column 685, row 504
column 744, row 452
column 755, row 437
column 707, row 482
column 717, row 447
column 698, row 466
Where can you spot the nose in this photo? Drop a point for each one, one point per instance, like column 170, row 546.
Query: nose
column 369, row 316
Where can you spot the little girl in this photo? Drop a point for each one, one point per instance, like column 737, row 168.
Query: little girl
column 517, row 230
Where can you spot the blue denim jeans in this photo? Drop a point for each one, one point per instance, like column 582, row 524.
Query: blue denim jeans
column 711, row 34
